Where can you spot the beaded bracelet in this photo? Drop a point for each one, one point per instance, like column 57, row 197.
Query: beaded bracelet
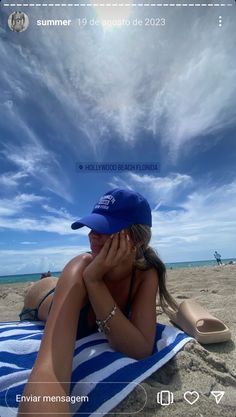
column 102, row 324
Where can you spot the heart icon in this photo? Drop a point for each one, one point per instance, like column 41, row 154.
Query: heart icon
column 191, row 397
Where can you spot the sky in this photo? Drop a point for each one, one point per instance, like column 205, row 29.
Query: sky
column 128, row 94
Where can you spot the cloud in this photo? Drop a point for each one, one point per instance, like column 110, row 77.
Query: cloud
column 129, row 80
column 38, row 260
column 18, row 214
column 196, row 218
column 48, row 224
column 17, row 204
column 28, row 243
column 34, row 161
column 159, row 190
column 198, row 99
column 12, row 179
column 67, row 98
column 62, row 212
column 118, row 182
column 208, row 222
column 24, row 127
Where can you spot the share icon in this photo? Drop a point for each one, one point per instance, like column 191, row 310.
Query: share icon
column 218, row 395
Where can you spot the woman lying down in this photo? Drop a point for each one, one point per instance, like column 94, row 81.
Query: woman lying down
column 112, row 289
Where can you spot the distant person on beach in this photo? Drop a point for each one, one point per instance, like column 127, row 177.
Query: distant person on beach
column 112, row 289
column 46, row 275
column 218, row 258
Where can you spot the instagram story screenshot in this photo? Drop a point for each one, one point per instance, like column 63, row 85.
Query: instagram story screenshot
column 117, row 208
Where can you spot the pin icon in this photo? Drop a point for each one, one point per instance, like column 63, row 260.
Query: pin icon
column 218, row 395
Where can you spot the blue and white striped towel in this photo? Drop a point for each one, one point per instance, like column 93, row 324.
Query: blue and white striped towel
column 99, row 373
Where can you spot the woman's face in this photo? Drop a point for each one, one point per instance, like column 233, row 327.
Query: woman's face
column 97, row 241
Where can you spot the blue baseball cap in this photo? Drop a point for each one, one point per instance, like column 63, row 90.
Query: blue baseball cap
column 116, row 210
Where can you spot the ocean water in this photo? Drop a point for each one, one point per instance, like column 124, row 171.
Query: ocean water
column 14, row 279
column 195, row 264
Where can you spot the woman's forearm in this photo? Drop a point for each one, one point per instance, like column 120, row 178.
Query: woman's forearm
column 57, row 346
column 43, row 387
column 123, row 335
column 54, row 360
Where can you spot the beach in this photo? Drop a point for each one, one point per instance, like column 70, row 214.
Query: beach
column 196, row 367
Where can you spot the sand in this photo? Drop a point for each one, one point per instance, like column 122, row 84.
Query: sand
column 195, row 368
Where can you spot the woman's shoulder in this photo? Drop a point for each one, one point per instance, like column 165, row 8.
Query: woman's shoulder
column 78, row 261
column 150, row 274
column 82, row 255
column 143, row 276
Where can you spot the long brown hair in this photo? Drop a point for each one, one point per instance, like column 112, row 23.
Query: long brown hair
column 146, row 258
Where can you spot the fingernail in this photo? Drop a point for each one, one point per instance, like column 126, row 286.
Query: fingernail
column 112, row 236
column 127, row 237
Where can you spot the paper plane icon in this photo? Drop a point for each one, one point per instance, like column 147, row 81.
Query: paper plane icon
column 218, row 395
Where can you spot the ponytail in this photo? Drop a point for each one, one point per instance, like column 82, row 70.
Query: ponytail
column 152, row 259
column 147, row 258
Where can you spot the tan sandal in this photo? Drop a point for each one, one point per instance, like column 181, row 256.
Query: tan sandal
column 193, row 319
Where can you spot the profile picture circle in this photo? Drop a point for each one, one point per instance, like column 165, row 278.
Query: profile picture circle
column 18, row 21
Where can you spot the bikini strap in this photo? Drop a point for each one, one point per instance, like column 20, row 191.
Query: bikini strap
column 44, row 298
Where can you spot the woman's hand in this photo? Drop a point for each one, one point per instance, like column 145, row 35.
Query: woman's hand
column 116, row 250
